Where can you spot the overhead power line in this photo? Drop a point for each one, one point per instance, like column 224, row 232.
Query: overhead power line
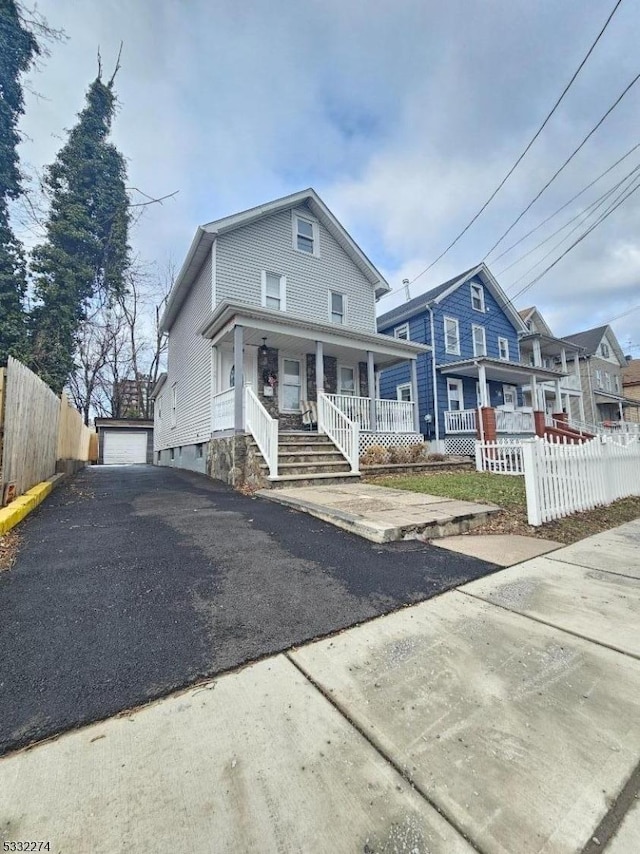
column 564, row 165
column 528, row 146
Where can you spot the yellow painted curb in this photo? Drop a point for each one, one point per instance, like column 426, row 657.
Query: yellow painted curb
column 22, row 506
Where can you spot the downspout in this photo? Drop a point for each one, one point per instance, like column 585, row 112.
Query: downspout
column 436, row 413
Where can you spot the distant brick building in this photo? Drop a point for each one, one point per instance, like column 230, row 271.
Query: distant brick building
column 631, row 387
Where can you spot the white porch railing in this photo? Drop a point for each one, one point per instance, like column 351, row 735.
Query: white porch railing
column 263, row 428
column 392, row 416
column 223, row 410
column 342, row 431
column 561, row 478
column 460, row 421
column 514, row 421
column 500, row 457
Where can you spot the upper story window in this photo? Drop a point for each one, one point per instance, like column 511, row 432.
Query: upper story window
column 305, row 235
column 607, row 380
column 599, row 379
column 452, row 336
column 402, row 332
column 479, row 341
column 604, row 349
column 477, row 297
column 503, row 349
column 174, row 404
column 616, row 382
column 403, row 392
column 274, row 291
column 337, row 307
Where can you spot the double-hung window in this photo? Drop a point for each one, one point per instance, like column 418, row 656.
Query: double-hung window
column 291, row 385
column 274, row 291
column 607, row 380
column 599, row 379
column 604, row 349
column 402, row 332
column 479, row 340
column 403, row 392
column 452, row 336
column 346, row 380
column 305, row 235
column 477, row 297
column 503, row 349
column 337, row 306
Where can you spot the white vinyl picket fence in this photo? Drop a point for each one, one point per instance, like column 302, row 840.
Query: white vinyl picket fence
column 561, row 479
column 503, row 456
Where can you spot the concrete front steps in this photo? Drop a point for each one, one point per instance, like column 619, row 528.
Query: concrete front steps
column 308, row 459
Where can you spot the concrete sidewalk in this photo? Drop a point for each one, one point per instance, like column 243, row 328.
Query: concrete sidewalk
column 502, row 717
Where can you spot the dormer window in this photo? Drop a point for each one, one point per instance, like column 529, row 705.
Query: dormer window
column 305, row 235
column 477, row 297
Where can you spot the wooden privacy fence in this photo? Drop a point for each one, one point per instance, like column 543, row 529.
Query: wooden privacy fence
column 36, row 429
column 503, row 456
column 561, row 479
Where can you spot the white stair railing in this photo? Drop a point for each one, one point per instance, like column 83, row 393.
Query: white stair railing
column 343, row 432
column 263, row 428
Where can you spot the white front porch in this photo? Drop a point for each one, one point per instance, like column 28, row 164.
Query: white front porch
column 508, row 421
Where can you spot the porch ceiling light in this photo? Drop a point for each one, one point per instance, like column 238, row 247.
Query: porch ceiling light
column 264, row 349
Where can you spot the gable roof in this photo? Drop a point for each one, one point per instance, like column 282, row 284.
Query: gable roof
column 527, row 314
column 440, row 292
column 206, row 234
column 590, row 340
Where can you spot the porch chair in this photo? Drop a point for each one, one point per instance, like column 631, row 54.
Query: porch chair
column 309, row 414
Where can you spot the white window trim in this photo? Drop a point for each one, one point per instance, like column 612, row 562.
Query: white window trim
column 505, row 342
column 599, row 378
column 291, row 357
column 607, row 381
column 283, row 289
column 460, row 387
column 174, row 404
column 344, row 308
column 404, row 327
column 616, row 383
column 456, row 351
column 473, row 285
column 507, row 389
column 605, row 350
column 356, row 378
column 158, row 408
column 296, row 215
column 400, row 388
column 475, row 326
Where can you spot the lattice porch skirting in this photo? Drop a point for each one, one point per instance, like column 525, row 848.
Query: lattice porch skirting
column 460, row 445
column 389, row 440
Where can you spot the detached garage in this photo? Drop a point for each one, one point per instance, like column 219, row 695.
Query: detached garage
column 124, row 441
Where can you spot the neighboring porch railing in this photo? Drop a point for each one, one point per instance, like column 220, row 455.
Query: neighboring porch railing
column 263, row 428
column 500, row 457
column 392, row 416
column 514, row 421
column 223, row 410
column 343, row 431
column 460, row 421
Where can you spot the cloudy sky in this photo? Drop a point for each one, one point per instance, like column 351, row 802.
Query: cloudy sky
column 403, row 114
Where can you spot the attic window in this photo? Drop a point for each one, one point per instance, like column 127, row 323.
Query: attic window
column 402, row 332
column 305, row 235
column 477, row 297
column 604, row 349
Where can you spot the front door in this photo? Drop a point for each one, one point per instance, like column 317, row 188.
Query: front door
column 510, row 396
column 454, row 395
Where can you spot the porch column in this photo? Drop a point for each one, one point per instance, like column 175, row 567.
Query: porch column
column 414, row 396
column 581, row 405
column 621, row 410
column 371, row 387
column 482, row 380
column 319, row 368
column 534, row 393
column 563, row 360
column 576, row 365
column 238, row 339
column 558, row 403
column 537, row 353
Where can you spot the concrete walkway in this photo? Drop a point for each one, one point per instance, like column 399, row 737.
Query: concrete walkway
column 502, row 717
column 384, row 515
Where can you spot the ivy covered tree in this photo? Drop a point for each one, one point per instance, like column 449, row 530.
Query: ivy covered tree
column 18, row 50
column 83, row 261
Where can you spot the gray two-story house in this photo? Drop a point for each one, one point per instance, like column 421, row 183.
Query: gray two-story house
column 273, row 355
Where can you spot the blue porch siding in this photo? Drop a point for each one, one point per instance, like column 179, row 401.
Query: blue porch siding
column 457, row 305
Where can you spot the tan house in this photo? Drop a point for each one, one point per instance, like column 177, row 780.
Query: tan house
column 631, row 388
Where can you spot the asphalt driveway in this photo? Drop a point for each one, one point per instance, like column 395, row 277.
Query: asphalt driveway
column 132, row 582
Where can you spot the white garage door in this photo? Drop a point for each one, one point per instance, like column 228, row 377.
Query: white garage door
column 124, row 447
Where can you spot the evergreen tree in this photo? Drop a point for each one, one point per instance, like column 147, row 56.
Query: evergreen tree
column 83, row 261
column 18, row 49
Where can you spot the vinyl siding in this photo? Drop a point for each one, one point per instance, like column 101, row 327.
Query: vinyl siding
column 189, row 367
column 457, row 305
column 243, row 254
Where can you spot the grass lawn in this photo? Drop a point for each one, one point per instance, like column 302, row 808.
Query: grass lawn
column 508, row 492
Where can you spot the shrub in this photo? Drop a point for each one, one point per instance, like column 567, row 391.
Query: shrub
column 436, row 458
column 417, row 452
column 376, row 455
column 401, row 455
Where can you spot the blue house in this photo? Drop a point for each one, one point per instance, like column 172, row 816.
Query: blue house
column 474, row 362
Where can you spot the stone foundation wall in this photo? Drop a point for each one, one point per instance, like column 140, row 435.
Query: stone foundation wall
column 235, row 460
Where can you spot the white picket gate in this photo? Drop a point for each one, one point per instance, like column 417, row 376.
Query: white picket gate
column 561, row 479
column 503, row 456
